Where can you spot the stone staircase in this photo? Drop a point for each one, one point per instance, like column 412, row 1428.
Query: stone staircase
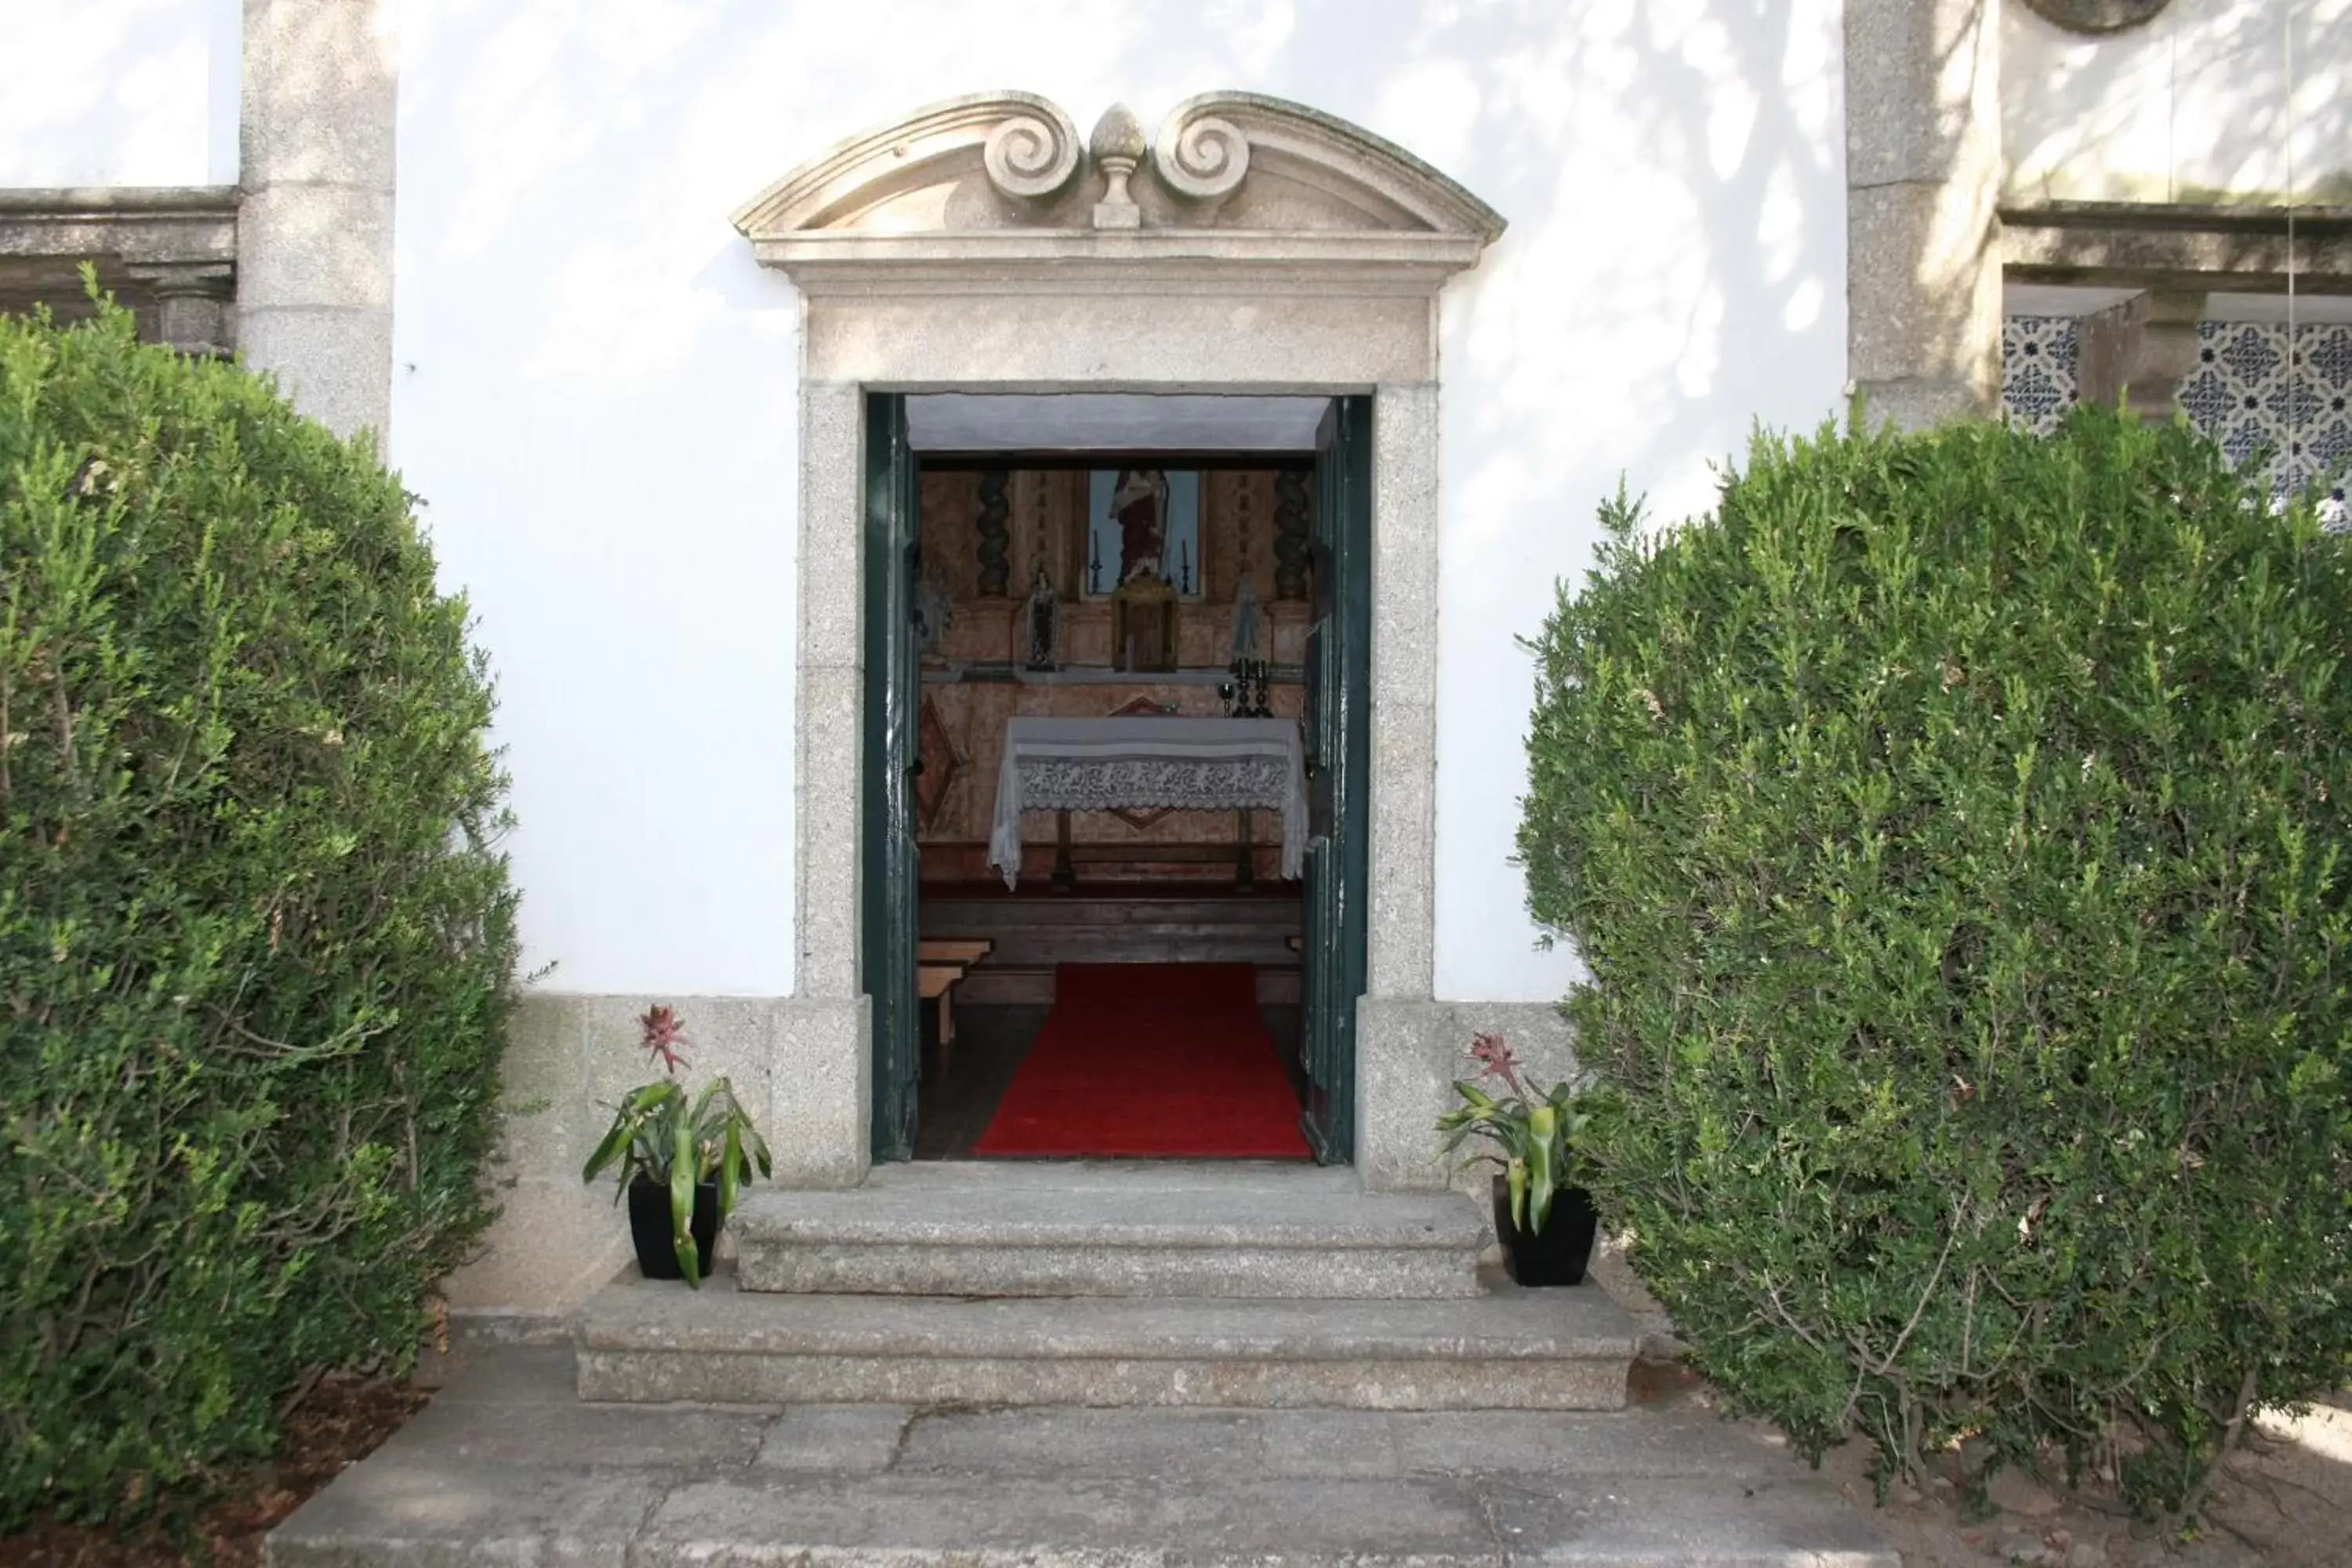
column 1080, row 1366
column 1098, row 1284
column 1102, row 1229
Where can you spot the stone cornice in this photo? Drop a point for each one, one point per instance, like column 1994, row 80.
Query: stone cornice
column 166, row 225
column 995, row 192
column 2177, row 245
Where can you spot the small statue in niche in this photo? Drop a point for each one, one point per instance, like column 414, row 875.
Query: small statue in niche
column 1249, row 621
column 1139, row 501
column 1041, row 617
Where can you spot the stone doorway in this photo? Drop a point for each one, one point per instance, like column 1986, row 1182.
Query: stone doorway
column 1252, row 247
column 1172, row 973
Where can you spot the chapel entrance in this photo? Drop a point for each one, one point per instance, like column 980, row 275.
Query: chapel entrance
column 1115, row 756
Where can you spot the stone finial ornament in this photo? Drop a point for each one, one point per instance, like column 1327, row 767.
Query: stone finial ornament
column 1117, row 146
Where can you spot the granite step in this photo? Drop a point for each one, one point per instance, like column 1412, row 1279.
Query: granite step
column 506, row 1466
column 644, row 1342
column 1103, row 1228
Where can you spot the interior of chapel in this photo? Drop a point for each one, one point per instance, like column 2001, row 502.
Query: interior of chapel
column 1112, row 647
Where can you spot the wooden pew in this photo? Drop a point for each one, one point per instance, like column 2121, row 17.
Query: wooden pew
column 939, row 965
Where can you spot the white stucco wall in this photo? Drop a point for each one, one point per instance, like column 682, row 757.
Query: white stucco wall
column 2213, row 99
column 593, row 384
column 119, row 92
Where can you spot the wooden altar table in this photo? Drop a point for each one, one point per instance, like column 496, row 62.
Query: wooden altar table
column 1144, row 762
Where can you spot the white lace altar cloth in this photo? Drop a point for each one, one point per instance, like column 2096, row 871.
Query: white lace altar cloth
column 1149, row 763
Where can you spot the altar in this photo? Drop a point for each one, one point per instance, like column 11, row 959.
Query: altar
column 1148, row 762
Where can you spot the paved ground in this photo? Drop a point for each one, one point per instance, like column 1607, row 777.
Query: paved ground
column 506, row 1466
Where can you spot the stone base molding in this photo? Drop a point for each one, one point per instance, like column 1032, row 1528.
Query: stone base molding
column 797, row 1065
column 1409, row 1054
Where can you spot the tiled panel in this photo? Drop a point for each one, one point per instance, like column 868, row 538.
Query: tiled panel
column 2037, row 355
column 2258, row 391
column 2254, row 391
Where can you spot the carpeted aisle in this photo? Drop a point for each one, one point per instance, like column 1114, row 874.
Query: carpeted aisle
column 1135, row 1060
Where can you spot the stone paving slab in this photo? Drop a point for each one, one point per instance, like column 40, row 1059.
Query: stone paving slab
column 553, row 1432
column 423, row 1509
column 836, row 1438
column 944, row 1518
column 506, row 1467
column 1687, row 1521
column 1205, row 1445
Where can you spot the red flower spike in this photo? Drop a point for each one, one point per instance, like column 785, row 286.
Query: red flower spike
column 662, row 1038
column 1492, row 1054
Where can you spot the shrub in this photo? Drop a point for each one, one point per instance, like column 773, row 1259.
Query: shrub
column 255, row 950
column 1954, row 826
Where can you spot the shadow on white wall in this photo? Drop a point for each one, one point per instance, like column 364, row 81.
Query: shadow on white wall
column 2194, row 107
column 595, row 385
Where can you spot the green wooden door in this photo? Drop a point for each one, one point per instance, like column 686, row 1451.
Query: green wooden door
column 888, row 761
column 1339, row 764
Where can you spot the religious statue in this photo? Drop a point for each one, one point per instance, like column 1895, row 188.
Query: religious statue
column 1139, row 501
column 1041, row 618
column 1249, row 620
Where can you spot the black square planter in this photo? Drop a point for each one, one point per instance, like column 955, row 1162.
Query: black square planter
column 1555, row 1255
column 649, row 1228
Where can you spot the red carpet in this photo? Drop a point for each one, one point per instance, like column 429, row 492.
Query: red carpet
column 1151, row 1060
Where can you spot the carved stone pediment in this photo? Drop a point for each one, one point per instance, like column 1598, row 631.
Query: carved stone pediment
column 1228, row 179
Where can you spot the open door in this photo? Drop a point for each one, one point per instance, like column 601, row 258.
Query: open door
column 1338, row 770
column 887, row 763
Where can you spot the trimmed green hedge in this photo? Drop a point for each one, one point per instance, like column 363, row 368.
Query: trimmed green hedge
column 1954, row 826
column 257, row 949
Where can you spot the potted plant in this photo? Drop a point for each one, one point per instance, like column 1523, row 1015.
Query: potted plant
column 682, row 1161
column 1545, row 1221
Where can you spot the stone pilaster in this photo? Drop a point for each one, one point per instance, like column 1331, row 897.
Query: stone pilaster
column 2163, row 352
column 315, row 232
column 192, row 310
column 1922, row 175
column 2104, row 342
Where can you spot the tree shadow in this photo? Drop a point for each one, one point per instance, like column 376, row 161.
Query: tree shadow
column 2194, row 107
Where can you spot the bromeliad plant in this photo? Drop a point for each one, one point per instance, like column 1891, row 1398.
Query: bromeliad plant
column 659, row 1136
column 1533, row 1134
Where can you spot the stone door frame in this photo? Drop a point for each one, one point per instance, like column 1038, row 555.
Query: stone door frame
column 1256, row 248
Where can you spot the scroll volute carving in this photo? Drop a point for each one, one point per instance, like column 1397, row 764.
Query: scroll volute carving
column 1014, row 161
column 1025, row 148
column 1200, row 155
column 1032, row 153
